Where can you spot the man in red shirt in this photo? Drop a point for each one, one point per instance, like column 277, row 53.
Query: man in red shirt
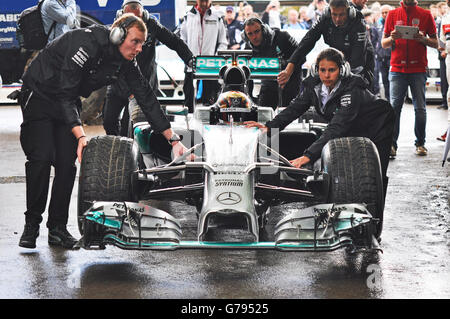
column 408, row 65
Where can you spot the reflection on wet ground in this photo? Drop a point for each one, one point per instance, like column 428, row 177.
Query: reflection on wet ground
column 414, row 262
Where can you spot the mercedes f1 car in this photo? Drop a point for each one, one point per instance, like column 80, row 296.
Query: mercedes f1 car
column 232, row 175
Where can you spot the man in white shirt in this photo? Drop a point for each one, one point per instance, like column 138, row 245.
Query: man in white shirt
column 204, row 32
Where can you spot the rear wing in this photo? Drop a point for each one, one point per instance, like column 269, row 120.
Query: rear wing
column 208, row 67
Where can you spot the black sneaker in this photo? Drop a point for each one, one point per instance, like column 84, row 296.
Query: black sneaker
column 59, row 236
column 29, row 235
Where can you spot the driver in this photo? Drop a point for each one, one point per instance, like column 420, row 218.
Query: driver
column 342, row 98
column 234, row 106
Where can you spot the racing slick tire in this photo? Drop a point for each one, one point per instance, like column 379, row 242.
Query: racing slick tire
column 106, row 172
column 355, row 174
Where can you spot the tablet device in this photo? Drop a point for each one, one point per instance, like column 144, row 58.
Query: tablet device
column 406, row 32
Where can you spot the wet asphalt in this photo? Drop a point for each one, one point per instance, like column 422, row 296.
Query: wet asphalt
column 414, row 262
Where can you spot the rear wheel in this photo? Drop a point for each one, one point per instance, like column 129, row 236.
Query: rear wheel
column 106, row 172
column 355, row 174
column 136, row 116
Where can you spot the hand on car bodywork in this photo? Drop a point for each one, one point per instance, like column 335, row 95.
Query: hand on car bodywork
column 178, row 149
column 284, row 76
column 300, row 161
column 262, row 127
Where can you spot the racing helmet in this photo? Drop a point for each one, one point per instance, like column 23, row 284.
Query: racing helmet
column 234, row 106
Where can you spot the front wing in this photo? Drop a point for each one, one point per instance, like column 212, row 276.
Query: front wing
column 323, row 227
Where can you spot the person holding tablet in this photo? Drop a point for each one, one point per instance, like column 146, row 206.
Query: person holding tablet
column 408, row 65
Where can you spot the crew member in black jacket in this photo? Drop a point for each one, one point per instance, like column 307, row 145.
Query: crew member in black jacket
column 74, row 65
column 342, row 98
column 267, row 42
column 342, row 27
column 117, row 95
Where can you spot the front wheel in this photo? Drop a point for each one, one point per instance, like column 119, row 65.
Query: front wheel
column 106, row 172
column 355, row 174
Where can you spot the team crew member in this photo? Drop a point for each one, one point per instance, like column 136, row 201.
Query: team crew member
column 267, row 42
column 204, row 32
column 342, row 27
column 74, row 65
column 408, row 65
column 342, row 98
column 117, row 94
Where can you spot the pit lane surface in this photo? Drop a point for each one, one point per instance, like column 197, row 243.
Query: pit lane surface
column 415, row 244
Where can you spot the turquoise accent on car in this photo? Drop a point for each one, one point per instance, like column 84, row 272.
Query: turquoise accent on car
column 142, row 137
column 211, row 65
column 328, row 245
column 99, row 218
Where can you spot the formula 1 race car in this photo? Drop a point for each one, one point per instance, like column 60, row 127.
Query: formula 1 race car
column 232, row 175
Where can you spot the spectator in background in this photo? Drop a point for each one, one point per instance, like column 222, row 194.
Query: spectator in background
column 359, row 4
column 204, row 33
column 316, row 9
column 383, row 56
column 434, row 12
column 445, row 37
column 292, row 22
column 272, row 15
column 217, row 8
column 372, row 31
column 234, row 28
column 246, row 12
column 58, row 17
column 376, row 11
column 305, row 21
column 408, row 65
column 441, row 10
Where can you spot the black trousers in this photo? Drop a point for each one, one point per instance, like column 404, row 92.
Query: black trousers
column 47, row 141
column 210, row 92
column 114, row 104
column 383, row 66
column 444, row 82
column 384, row 150
column 269, row 94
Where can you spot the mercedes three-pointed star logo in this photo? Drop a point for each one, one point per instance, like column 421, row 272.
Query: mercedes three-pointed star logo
column 228, row 198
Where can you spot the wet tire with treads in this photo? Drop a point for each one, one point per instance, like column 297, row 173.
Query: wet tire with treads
column 355, row 174
column 105, row 173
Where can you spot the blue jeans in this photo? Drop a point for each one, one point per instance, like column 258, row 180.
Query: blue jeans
column 398, row 83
